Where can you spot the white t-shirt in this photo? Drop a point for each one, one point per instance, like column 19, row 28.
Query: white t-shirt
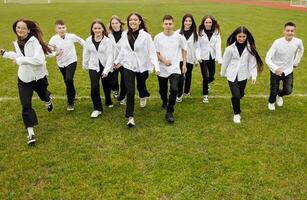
column 67, row 46
column 170, row 48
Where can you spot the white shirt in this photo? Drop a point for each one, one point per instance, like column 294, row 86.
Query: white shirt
column 104, row 54
column 234, row 65
column 67, row 46
column 116, row 45
column 142, row 58
column 191, row 49
column 285, row 54
column 170, row 48
column 206, row 47
column 32, row 65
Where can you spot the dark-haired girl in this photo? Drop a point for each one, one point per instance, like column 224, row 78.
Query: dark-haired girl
column 115, row 34
column 98, row 59
column 189, row 31
column 138, row 56
column 208, row 51
column 32, row 72
column 240, row 62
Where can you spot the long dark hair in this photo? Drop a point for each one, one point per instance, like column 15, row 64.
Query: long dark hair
column 119, row 20
column 193, row 26
column 142, row 25
column 215, row 25
column 98, row 21
column 250, row 40
column 34, row 31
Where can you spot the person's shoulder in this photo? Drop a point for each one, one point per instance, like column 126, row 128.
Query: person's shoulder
column 298, row 40
column 158, row 36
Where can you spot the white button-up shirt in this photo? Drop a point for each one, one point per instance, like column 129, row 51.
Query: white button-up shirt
column 91, row 56
column 206, row 47
column 66, row 44
column 234, row 65
column 32, row 65
column 191, row 49
column 285, row 54
column 142, row 58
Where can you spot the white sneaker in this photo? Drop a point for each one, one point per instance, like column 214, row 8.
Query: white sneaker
column 237, row 119
column 110, row 106
column 205, row 99
column 279, row 101
column 122, row 102
column 115, row 94
column 179, row 99
column 130, row 122
column 95, row 114
column 271, row 106
column 186, row 94
column 143, row 102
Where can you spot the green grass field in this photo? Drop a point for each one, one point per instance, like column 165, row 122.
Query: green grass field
column 203, row 155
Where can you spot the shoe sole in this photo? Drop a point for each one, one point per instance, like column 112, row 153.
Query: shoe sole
column 130, row 125
column 31, row 142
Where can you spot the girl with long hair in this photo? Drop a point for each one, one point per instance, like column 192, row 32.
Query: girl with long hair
column 240, row 62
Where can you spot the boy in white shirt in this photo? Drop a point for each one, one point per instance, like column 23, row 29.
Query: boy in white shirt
column 170, row 47
column 63, row 44
column 283, row 56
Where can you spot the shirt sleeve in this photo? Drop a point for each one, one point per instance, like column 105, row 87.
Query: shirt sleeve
column 226, row 61
column 218, row 49
column 78, row 39
column 299, row 54
column 86, row 56
column 270, row 54
column 252, row 65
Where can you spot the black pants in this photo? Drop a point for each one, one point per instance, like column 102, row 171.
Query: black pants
column 237, row 90
column 95, row 89
column 25, row 95
column 129, row 78
column 115, row 85
column 287, row 82
column 163, row 87
column 207, row 70
column 185, row 80
column 68, row 76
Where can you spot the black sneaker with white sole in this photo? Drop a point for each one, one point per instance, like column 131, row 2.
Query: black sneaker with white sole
column 31, row 139
column 49, row 106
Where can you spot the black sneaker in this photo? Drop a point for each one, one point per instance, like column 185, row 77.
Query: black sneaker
column 49, row 106
column 169, row 117
column 31, row 139
column 164, row 105
column 70, row 107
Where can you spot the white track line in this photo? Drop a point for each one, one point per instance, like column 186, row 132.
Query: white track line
column 5, row 98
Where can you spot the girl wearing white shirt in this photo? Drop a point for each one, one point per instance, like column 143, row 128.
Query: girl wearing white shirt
column 137, row 56
column 189, row 31
column 240, row 62
column 115, row 34
column 284, row 54
column 63, row 43
column 98, row 59
column 208, row 51
column 30, row 58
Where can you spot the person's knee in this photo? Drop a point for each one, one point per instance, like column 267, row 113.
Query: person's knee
column 288, row 90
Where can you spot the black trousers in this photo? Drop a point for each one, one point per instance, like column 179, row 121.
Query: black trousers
column 68, row 76
column 237, row 91
column 185, row 80
column 208, row 71
column 129, row 78
column 163, row 87
column 25, row 95
column 95, row 89
column 115, row 85
column 287, row 82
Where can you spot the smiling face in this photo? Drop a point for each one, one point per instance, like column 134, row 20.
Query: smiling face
column 22, row 30
column 241, row 37
column 289, row 32
column 97, row 30
column 115, row 24
column 187, row 23
column 134, row 22
column 60, row 29
column 208, row 23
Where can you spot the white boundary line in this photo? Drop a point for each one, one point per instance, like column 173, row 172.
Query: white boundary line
column 6, row 98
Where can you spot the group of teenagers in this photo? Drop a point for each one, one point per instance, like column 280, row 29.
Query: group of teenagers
column 133, row 54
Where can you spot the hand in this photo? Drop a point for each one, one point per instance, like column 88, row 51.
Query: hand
column 167, row 63
column 200, row 61
column 157, row 73
column 103, row 75
column 14, row 61
column 253, row 81
column 184, row 68
column 278, row 71
column 116, row 66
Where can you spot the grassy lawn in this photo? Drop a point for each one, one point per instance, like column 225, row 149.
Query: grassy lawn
column 203, row 155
